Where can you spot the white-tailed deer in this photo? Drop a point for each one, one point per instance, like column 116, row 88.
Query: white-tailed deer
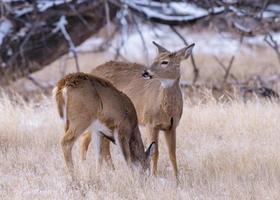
column 157, row 97
column 90, row 103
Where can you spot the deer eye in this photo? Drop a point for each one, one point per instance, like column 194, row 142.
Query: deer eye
column 164, row 63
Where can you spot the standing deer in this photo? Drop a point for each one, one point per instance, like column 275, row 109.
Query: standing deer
column 157, row 97
column 90, row 103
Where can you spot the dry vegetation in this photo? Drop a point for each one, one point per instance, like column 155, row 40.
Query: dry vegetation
column 249, row 61
column 225, row 151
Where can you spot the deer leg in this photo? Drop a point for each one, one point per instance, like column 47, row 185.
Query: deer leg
column 67, row 143
column 124, row 148
column 153, row 137
column 85, row 141
column 170, row 137
column 98, row 148
column 106, row 153
column 84, row 144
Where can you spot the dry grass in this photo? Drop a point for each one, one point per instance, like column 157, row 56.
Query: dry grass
column 225, row 151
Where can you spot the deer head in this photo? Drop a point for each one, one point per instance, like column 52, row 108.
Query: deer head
column 146, row 160
column 166, row 65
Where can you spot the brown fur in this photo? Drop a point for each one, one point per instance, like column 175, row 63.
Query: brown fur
column 90, row 100
column 60, row 101
column 158, row 107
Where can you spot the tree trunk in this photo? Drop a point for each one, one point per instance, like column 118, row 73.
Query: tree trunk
column 43, row 41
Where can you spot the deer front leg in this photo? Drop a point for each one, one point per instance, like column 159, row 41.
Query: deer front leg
column 84, row 143
column 123, row 145
column 106, row 153
column 153, row 137
column 98, row 149
column 170, row 137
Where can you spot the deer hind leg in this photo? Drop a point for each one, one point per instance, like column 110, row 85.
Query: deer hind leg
column 106, row 153
column 153, row 137
column 170, row 137
column 67, row 143
column 84, row 143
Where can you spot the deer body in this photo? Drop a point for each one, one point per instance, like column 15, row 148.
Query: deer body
column 157, row 98
column 90, row 103
column 156, row 102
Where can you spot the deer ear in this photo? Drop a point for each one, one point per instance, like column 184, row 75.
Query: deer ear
column 151, row 150
column 185, row 52
column 160, row 48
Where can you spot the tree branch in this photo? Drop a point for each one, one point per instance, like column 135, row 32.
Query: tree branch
column 43, row 46
column 195, row 68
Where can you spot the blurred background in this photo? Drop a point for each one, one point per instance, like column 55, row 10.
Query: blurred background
column 226, row 149
column 237, row 42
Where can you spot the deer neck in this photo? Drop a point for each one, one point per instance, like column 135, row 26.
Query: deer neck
column 169, row 86
column 171, row 98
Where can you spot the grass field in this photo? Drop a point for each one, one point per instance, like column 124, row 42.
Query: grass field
column 225, row 151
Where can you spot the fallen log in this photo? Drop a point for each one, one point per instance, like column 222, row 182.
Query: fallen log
column 33, row 35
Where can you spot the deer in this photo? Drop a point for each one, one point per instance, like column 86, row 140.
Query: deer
column 155, row 94
column 89, row 103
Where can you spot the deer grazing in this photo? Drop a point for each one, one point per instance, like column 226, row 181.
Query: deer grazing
column 89, row 103
column 156, row 96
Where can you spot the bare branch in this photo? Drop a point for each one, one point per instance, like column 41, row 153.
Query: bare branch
column 42, row 46
column 142, row 38
column 107, row 12
column 61, row 26
column 228, row 69
column 153, row 12
column 37, row 84
column 273, row 44
column 195, row 68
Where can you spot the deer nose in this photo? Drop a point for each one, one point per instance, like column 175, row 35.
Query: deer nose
column 147, row 74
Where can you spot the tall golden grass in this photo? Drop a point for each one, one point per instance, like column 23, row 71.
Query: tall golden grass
column 225, row 151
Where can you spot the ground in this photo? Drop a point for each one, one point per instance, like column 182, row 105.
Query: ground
column 225, row 151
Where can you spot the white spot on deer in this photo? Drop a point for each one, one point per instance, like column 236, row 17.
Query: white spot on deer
column 97, row 126
column 64, row 95
column 54, row 91
column 166, row 83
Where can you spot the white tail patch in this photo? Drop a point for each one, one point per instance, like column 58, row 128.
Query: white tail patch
column 166, row 83
column 97, row 126
column 64, row 95
column 54, row 91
